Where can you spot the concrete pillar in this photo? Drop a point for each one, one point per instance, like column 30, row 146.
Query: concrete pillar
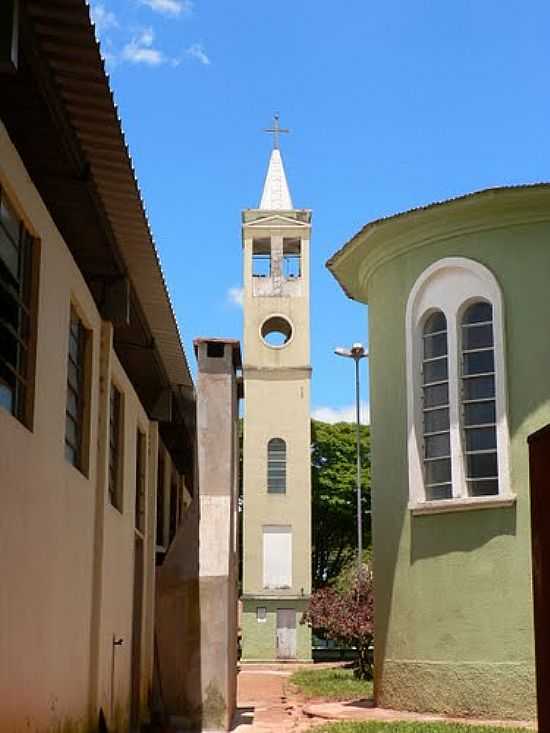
column 218, row 389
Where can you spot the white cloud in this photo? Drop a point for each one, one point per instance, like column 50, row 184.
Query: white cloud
column 170, row 7
column 235, row 296
column 341, row 414
column 140, row 50
column 102, row 18
column 197, row 52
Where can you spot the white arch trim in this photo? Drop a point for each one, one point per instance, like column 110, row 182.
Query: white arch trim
column 450, row 285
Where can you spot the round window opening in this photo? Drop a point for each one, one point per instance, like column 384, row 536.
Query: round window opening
column 276, row 331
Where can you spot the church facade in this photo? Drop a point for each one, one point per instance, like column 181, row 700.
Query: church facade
column 276, row 451
column 458, row 313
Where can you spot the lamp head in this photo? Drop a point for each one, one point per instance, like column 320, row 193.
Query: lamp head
column 358, row 350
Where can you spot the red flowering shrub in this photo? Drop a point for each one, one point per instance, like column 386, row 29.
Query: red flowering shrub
column 347, row 616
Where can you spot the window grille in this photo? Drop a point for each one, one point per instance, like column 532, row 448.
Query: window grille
column 141, row 447
column 75, row 408
column 478, row 400
column 458, row 436
column 276, row 466
column 160, row 501
column 115, row 416
column 17, row 318
column 173, row 506
column 435, row 409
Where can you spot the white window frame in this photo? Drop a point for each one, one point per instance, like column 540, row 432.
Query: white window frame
column 450, row 285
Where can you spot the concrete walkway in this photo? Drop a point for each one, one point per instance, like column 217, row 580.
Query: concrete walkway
column 266, row 705
column 364, row 710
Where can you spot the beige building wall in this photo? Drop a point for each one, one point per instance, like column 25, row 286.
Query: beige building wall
column 66, row 554
column 287, row 400
column 277, row 405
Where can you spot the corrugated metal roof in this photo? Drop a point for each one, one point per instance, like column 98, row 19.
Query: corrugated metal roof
column 66, row 37
column 388, row 220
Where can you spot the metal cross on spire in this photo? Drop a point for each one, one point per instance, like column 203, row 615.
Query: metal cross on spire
column 276, row 131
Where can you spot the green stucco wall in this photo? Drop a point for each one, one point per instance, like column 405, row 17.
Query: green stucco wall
column 259, row 638
column 454, row 628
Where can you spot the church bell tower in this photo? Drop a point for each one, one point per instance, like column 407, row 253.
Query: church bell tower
column 276, row 451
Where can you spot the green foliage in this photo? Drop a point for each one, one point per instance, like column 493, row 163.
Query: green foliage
column 420, row 727
column 333, row 683
column 334, row 498
column 347, row 577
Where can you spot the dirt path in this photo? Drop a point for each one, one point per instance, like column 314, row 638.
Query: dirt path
column 265, row 703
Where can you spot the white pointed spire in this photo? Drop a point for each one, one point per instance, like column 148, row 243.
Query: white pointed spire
column 276, row 194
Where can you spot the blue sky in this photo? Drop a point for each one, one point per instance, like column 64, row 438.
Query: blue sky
column 391, row 105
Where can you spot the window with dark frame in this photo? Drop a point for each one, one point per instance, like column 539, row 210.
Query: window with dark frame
column 115, row 415
column 160, row 501
column 276, row 466
column 18, row 286
column 479, row 400
column 76, row 402
column 435, row 409
column 141, row 448
column 173, row 506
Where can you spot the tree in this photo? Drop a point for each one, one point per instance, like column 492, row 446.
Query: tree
column 334, row 499
column 345, row 614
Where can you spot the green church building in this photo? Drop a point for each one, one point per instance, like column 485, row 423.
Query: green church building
column 458, row 312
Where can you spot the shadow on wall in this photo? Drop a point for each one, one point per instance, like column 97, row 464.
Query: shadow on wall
column 389, row 496
column 441, row 534
column 178, row 629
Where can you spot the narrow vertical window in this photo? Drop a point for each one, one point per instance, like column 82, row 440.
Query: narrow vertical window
column 160, row 501
column 115, row 434
column 141, row 447
column 276, row 466
column 478, row 400
column 75, row 408
column 435, row 409
column 173, row 506
column 17, row 318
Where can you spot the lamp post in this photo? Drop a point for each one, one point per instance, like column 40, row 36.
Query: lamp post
column 357, row 352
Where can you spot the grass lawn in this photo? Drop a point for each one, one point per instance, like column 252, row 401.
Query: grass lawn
column 333, row 683
column 373, row 727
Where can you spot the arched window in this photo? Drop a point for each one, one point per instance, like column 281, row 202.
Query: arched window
column 435, row 408
column 478, row 400
column 458, row 438
column 276, row 466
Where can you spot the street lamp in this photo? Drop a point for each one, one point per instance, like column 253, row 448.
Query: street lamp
column 357, row 352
